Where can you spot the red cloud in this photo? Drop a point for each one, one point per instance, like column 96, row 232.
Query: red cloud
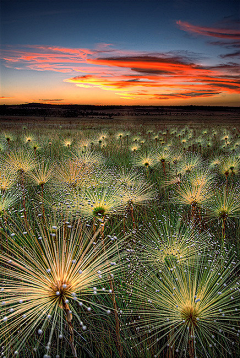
column 202, row 85
column 130, row 75
column 209, row 31
column 147, row 64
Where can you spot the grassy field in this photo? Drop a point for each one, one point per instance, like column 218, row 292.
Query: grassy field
column 120, row 237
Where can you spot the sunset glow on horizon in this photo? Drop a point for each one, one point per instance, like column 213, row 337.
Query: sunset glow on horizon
column 192, row 60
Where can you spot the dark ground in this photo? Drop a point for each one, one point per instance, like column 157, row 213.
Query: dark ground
column 37, row 114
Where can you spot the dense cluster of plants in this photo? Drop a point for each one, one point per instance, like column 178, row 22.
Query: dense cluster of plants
column 120, row 244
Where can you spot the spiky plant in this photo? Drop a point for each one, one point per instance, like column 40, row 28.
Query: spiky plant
column 42, row 173
column 28, row 138
column 20, row 161
column 230, row 166
column 88, row 158
column 169, row 242
column 8, row 137
column 3, row 145
column 138, row 193
column 136, row 138
column 7, row 178
column 188, row 163
column 236, row 145
column 40, row 176
column 102, row 136
column 50, row 279
column 145, row 160
column 176, row 156
column 192, row 310
column 35, row 146
column 226, row 137
column 215, row 163
column 128, row 177
column 72, row 173
column 224, row 205
column 135, row 147
column 155, row 137
column 7, row 200
column 67, row 142
column 174, row 176
column 202, row 177
column 120, row 136
column 162, row 157
column 173, row 180
column 84, row 144
column 97, row 202
column 195, row 190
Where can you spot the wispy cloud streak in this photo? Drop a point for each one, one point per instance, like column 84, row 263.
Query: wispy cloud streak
column 231, row 34
column 228, row 38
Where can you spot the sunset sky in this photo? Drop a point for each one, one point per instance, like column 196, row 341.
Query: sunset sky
column 146, row 52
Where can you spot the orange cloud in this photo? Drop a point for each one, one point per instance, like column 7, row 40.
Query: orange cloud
column 129, row 74
column 209, row 31
column 149, row 72
column 159, row 65
column 129, row 86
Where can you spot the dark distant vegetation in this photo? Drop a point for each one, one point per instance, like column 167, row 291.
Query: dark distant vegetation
column 88, row 111
column 118, row 239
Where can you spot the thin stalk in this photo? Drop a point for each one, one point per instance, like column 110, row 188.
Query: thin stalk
column 119, row 345
column 171, row 345
column 132, row 216
column 191, row 348
column 43, row 209
column 24, row 200
column 94, row 226
column 193, row 212
column 164, row 166
column 70, row 327
column 223, row 229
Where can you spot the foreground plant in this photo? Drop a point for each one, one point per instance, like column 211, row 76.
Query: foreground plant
column 7, row 179
column 170, row 242
column 147, row 160
column 50, row 280
column 194, row 191
column 225, row 205
column 190, row 310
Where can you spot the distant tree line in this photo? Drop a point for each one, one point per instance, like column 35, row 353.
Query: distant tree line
column 68, row 111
